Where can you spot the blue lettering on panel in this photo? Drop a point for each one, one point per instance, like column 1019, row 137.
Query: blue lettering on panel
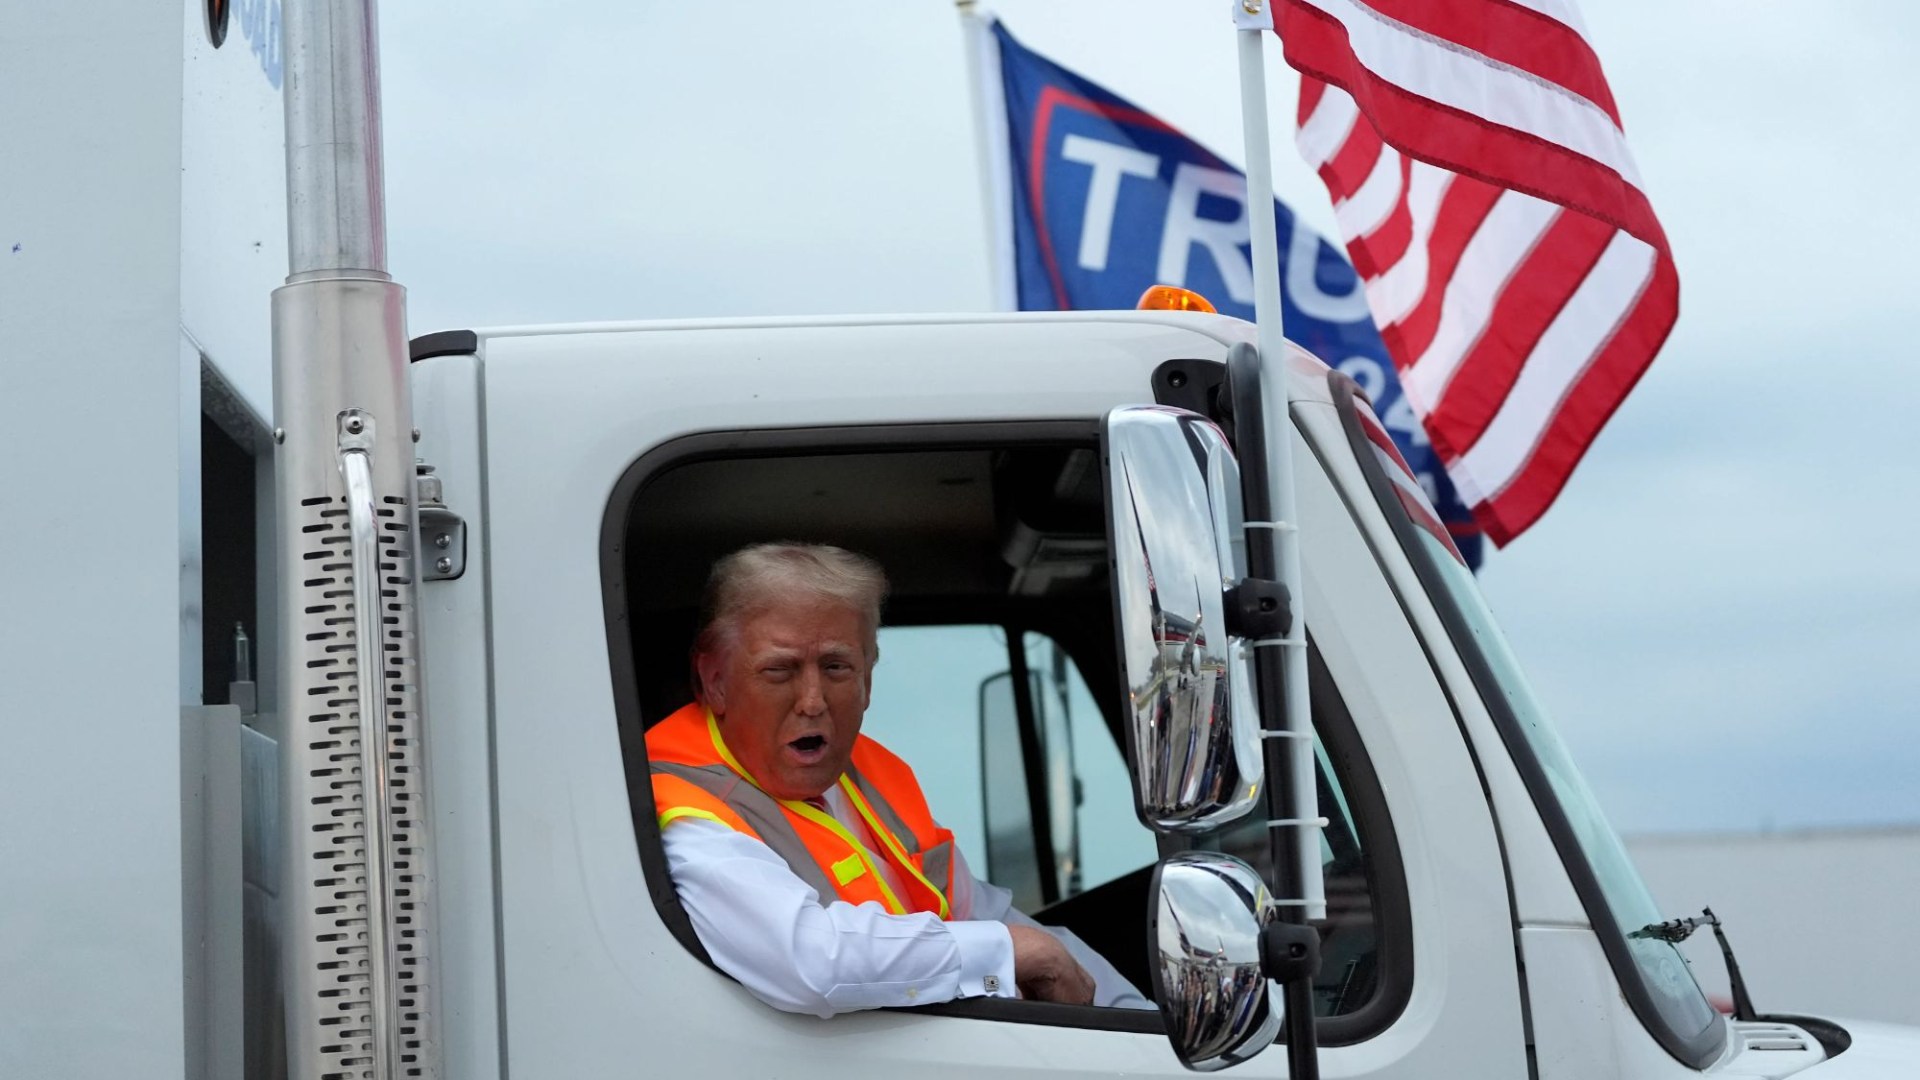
column 260, row 25
column 1109, row 199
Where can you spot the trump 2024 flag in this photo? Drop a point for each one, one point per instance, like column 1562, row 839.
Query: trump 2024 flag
column 1105, row 199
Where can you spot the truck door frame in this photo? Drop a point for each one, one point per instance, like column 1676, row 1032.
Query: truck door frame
column 1386, row 871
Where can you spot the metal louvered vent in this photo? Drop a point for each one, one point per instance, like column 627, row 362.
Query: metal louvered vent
column 1760, row 1035
column 357, row 927
column 326, row 765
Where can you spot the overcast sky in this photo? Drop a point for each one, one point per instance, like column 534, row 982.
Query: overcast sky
column 1720, row 610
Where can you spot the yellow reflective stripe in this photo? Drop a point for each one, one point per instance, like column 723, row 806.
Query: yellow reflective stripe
column 848, row 868
column 726, row 755
column 825, row 821
column 674, row 813
column 892, row 842
column 860, row 851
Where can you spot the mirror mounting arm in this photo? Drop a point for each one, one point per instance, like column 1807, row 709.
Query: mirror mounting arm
column 1259, row 608
column 1289, row 952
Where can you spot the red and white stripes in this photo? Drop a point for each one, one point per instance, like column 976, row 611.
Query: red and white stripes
column 1490, row 204
column 1407, row 489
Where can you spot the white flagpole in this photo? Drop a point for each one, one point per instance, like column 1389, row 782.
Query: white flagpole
column 1253, row 21
column 988, row 98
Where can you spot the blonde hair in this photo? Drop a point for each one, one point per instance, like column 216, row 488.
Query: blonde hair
column 761, row 576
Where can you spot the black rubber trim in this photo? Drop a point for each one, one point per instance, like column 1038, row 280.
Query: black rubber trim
column 1039, row 813
column 442, row 343
column 1379, row 852
column 1286, row 847
column 1193, row 385
column 1009, row 1010
column 1832, row 1037
column 769, row 442
column 1697, row 1052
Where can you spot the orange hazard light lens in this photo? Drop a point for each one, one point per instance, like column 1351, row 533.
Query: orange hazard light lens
column 1172, row 298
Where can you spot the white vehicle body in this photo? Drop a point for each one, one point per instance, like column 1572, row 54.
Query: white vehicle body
column 134, row 312
column 585, row 959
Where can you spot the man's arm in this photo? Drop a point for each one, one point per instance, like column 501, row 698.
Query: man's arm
column 974, row 898
column 765, row 927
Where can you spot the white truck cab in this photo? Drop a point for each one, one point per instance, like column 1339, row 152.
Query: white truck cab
column 1479, row 906
column 480, row 557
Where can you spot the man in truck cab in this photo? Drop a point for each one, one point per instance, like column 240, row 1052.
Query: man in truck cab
column 805, row 853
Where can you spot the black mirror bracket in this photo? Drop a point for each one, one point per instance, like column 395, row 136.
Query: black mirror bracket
column 1258, row 608
column 1289, row 952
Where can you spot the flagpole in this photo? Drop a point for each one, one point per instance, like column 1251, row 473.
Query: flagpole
column 1269, row 332
column 1253, row 20
column 990, row 150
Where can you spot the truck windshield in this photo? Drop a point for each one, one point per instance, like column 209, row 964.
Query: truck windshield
column 1654, row 977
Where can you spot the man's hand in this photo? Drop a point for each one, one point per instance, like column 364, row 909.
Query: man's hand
column 1045, row 971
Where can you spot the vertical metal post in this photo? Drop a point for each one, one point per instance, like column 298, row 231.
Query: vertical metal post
column 1273, row 547
column 1270, row 333
column 336, row 178
column 990, row 149
column 357, row 939
column 357, row 439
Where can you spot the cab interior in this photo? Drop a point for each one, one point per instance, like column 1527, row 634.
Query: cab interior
column 999, row 524
column 1011, row 533
column 1003, row 534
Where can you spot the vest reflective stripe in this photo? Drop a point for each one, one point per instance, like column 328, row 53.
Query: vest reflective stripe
column 882, row 808
column 674, row 798
column 848, row 868
column 759, row 810
column 818, row 817
column 692, row 766
column 675, row 813
column 886, row 837
column 872, row 763
column 753, row 811
column 828, row 822
column 937, row 864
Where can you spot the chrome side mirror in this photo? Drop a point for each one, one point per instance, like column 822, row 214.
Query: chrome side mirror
column 1209, row 915
column 1173, row 523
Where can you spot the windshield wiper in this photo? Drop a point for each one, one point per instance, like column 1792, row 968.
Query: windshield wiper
column 1678, row 930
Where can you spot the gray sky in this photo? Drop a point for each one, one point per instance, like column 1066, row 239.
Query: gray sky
column 1719, row 610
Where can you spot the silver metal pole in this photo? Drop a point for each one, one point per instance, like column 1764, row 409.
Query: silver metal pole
column 357, row 932
column 336, row 201
column 376, row 778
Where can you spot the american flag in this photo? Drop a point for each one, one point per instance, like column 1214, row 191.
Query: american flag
column 1412, row 497
column 1512, row 261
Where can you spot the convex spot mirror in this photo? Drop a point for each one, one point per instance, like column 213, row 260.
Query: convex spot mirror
column 1173, row 527
column 1209, row 914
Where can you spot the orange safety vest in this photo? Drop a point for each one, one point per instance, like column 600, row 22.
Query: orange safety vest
column 695, row 775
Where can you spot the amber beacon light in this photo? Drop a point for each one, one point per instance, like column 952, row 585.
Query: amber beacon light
column 1172, row 298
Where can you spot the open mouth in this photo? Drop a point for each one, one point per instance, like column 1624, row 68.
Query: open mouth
column 809, row 748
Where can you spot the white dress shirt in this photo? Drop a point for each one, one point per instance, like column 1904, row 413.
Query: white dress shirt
column 767, row 928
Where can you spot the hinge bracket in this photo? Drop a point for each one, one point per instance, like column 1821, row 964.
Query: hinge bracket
column 443, row 533
column 1258, row 609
